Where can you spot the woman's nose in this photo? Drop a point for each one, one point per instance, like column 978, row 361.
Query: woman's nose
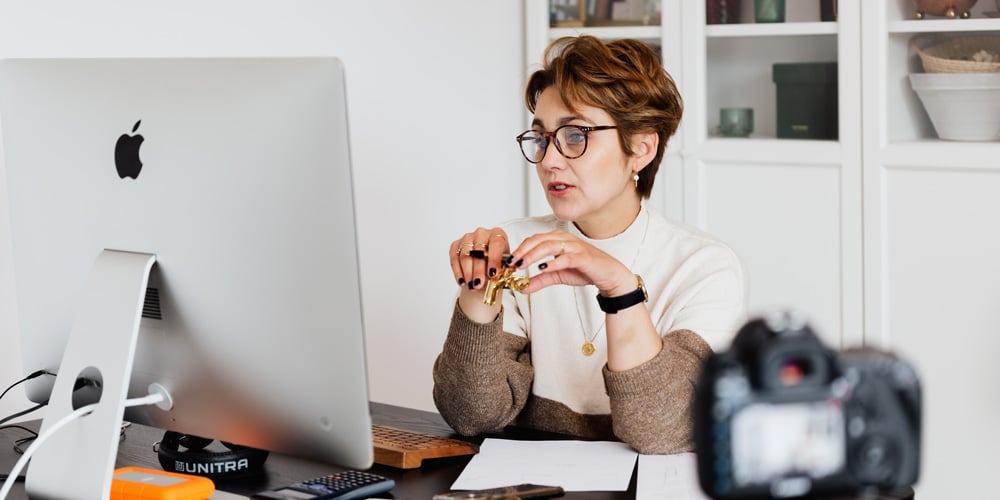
column 552, row 157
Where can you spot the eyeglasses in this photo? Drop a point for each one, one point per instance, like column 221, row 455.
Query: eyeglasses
column 571, row 141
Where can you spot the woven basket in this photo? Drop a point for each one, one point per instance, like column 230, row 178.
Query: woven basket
column 954, row 55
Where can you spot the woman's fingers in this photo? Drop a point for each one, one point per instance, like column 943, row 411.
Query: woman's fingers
column 478, row 256
column 539, row 247
column 564, row 259
column 498, row 247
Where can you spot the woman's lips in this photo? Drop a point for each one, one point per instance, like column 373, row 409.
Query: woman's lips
column 559, row 188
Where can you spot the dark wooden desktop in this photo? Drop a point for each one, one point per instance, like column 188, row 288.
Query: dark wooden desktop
column 434, row 476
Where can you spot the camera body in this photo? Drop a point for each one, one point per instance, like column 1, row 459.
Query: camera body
column 780, row 415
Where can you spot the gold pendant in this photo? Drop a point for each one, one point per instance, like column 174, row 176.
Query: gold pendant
column 588, row 348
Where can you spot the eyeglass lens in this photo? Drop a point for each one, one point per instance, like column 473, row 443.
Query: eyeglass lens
column 571, row 141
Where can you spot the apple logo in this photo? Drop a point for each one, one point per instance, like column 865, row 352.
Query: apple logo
column 127, row 160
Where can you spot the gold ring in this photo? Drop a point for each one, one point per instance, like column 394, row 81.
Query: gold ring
column 562, row 247
column 497, row 235
column 478, row 245
column 467, row 245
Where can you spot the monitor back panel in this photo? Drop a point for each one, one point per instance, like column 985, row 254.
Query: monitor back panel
column 245, row 197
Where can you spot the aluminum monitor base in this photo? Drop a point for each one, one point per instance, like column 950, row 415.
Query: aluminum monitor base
column 77, row 462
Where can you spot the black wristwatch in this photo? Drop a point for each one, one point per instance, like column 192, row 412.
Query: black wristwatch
column 612, row 305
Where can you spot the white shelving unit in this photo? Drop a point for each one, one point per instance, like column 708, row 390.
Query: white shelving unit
column 790, row 208
column 931, row 250
column 886, row 236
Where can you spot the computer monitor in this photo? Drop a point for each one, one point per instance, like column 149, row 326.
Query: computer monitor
column 234, row 176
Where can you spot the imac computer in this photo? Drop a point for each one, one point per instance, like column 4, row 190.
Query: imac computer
column 185, row 224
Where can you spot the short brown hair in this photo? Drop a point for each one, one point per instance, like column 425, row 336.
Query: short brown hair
column 624, row 78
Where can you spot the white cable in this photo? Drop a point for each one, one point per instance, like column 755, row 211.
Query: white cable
column 62, row 422
column 149, row 399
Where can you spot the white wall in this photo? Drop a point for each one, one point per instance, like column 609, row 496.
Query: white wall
column 415, row 71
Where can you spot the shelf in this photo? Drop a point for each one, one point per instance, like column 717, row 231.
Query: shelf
column 939, row 154
column 770, row 29
column 771, row 150
column 944, row 25
column 609, row 32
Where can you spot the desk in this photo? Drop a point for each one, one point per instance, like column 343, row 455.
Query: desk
column 435, row 476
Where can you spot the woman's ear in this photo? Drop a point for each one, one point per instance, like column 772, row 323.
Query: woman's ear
column 644, row 149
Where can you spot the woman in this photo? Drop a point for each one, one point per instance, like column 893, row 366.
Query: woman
column 552, row 356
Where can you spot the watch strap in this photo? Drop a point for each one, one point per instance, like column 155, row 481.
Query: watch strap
column 612, row 305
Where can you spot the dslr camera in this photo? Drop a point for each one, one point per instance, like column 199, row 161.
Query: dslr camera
column 779, row 415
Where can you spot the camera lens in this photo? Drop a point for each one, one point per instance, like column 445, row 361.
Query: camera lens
column 792, row 371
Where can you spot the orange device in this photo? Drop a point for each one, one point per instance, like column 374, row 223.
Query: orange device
column 136, row 483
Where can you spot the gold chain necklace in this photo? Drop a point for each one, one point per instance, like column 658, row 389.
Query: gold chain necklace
column 588, row 347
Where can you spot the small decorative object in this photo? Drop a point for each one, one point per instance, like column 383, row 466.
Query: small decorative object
column 961, row 54
column 948, row 8
column 806, row 100
column 736, row 122
column 567, row 13
column 506, row 279
column 961, row 106
column 632, row 12
column 769, row 11
column 828, row 10
column 722, row 11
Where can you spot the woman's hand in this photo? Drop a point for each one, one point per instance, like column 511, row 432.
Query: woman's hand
column 573, row 262
column 475, row 258
column 631, row 337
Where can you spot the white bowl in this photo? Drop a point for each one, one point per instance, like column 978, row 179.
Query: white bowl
column 962, row 106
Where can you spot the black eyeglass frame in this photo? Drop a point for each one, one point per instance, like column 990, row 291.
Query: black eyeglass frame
column 547, row 137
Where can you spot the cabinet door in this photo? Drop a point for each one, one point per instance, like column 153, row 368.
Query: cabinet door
column 791, row 208
column 931, row 246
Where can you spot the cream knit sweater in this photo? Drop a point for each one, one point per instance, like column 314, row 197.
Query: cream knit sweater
column 527, row 367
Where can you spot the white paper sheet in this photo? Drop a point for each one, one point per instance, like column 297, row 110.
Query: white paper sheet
column 668, row 477
column 574, row 465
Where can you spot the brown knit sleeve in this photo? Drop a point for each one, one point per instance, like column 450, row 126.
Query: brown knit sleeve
column 652, row 404
column 482, row 377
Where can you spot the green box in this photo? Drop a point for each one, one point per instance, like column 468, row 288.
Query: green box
column 806, row 100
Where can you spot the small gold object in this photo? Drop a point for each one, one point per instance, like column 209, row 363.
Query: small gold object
column 506, row 279
column 588, row 348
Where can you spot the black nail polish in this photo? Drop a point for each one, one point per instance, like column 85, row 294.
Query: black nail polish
column 471, row 286
column 461, row 281
column 476, row 282
column 519, row 262
column 507, row 259
column 543, row 265
column 493, row 272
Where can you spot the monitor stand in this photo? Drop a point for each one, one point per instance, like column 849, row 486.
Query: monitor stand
column 78, row 460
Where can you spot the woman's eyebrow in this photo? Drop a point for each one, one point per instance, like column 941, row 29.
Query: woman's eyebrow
column 562, row 121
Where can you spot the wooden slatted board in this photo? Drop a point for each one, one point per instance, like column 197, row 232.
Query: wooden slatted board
column 405, row 449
